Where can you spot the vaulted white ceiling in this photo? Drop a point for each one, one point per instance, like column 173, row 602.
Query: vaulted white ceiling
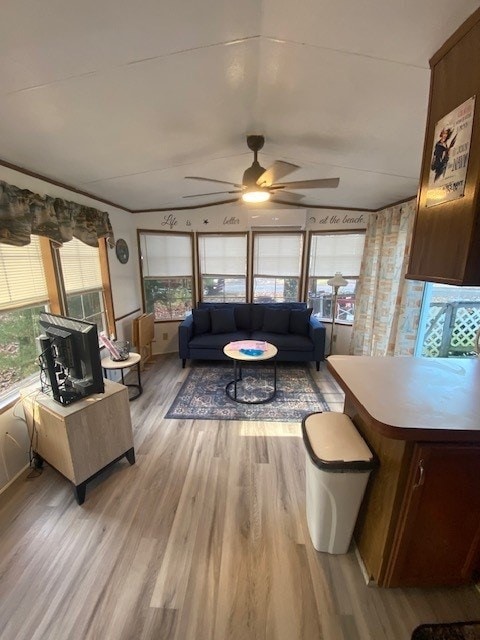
column 124, row 99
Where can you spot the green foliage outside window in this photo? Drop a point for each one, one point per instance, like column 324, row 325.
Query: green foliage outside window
column 87, row 306
column 168, row 298
column 290, row 290
column 18, row 353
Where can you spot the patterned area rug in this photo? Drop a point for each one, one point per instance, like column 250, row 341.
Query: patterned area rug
column 450, row 631
column 203, row 397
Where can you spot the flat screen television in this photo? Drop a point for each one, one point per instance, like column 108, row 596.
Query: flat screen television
column 70, row 357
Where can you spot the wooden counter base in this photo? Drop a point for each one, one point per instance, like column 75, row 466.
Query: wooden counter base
column 419, row 524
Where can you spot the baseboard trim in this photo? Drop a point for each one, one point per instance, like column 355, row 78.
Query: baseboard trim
column 15, row 477
column 368, row 580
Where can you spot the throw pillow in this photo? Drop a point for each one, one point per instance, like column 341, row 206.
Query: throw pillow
column 242, row 316
column 201, row 321
column 257, row 311
column 300, row 321
column 223, row 321
column 276, row 320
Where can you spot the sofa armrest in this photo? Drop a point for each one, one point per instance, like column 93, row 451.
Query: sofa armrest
column 185, row 334
column 317, row 333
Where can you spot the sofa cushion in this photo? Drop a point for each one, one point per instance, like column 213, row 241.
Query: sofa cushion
column 201, row 321
column 223, row 320
column 243, row 316
column 276, row 320
column 300, row 321
column 216, row 341
column 284, row 341
column 257, row 316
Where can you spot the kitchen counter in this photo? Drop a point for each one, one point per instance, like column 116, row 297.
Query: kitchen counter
column 419, row 523
column 415, row 398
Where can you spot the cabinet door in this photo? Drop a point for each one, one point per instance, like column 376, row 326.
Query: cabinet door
column 446, row 237
column 438, row 536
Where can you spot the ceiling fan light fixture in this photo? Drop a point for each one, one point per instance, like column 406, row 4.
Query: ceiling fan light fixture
column 254, row 195
column 259, row 184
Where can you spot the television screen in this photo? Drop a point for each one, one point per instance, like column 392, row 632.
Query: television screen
column 70, row 356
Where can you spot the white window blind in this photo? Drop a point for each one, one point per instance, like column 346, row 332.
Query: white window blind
column 166, row 255
column 22, row 279
column 222, row 255
column 334, row 252
column 80, row 267
column 278, row 254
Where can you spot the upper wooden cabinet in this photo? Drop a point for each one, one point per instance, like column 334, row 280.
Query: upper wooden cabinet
column 446, row 237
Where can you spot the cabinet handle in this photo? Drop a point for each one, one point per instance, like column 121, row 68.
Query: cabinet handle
column 421, row 477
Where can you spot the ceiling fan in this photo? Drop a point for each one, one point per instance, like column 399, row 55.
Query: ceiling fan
column 260, row 184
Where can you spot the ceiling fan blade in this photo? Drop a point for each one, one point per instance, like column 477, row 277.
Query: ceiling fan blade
column 213, row 193
column 275, row 172
column 322, row 183
column 232, row 184
column 287, row 195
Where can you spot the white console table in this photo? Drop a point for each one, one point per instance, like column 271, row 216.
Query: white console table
column 84, row 438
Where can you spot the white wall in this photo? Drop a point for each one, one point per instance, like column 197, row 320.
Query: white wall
column 14, row 446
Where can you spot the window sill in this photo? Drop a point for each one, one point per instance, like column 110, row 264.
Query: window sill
column 10, row 398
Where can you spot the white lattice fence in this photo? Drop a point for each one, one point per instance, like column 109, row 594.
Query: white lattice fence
column 452, row 329
column 433, row 338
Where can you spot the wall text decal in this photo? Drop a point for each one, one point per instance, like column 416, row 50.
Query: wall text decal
column 169, row 221
column 231, row 220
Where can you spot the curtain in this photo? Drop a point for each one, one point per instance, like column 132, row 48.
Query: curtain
column 388, row 306
column 23, row 213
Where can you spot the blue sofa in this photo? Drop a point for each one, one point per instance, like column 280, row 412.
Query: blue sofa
column 288, row 325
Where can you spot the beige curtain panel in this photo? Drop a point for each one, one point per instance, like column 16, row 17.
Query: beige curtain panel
column 23, row 213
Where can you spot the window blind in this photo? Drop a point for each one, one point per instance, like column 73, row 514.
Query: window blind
column 22, row 279
column 278, row 254
column 166, row 255
column 223, row 255
column 80, row 267
column 334, row 252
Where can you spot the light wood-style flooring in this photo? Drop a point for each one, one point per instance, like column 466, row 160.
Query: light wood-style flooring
column 204, row 538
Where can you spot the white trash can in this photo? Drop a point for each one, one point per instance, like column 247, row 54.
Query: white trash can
column 338, row 465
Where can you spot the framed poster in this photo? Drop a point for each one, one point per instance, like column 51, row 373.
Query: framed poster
column 451, row 149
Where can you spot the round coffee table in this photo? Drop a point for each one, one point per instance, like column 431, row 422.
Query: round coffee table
column 115, row 365
column 239, row 357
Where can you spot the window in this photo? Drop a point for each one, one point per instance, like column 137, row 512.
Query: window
column 277, row 265
column 82, row 281
column 223, row 267
column 75, row 286
column 449, row 322
column 167, row 274
column 23, row 295
column 329, row 254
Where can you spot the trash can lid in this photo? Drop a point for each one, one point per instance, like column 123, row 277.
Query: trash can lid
column 334, row 443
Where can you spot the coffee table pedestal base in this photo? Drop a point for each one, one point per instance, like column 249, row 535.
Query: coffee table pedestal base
column 231, row 388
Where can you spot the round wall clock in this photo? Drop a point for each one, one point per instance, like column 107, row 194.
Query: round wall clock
column 121, row 249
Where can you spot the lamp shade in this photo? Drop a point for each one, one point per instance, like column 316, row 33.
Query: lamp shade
column 337, row 281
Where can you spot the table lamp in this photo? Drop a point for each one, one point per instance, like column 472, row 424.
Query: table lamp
column 336, row 282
